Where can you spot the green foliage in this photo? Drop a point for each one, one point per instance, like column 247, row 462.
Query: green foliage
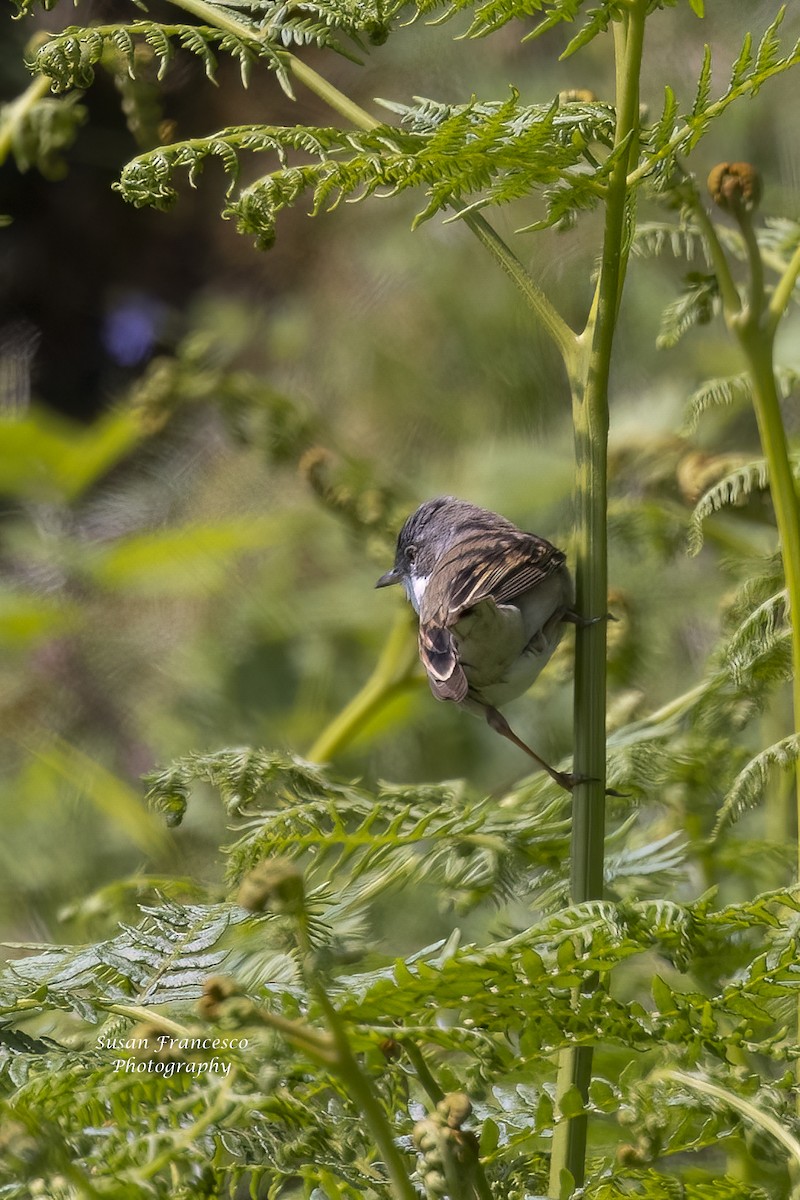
column 678, row 134
column 749, row 785
column 731, row 392
column 733, row 488
column 40, row 134
column 509, row 1001
column 69, row 59
column 697, row 305
column 483, row 154
column 471, row 155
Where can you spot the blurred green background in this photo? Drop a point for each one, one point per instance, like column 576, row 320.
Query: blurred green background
column 206, row 450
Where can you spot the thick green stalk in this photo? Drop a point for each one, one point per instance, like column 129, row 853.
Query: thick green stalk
column 361, row 1092
column 393, row 674
column 755, row 325
column 590, row 415
column 757, row 344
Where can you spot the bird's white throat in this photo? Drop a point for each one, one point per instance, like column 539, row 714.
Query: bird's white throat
column 415, row 589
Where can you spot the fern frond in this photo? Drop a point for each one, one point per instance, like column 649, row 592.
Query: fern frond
column 718, row 393
column 779, row 236
column 756, row 636
column 684, row 240
column 394, row 838
column 696, row 305
column 765, row 581
column 661, row 144
column 703, row 84
column 749, row 785
column 69, row 58
column 729, row 490
column 741, row 67
column 480, row 153
column 491, row 15
column 166, row 958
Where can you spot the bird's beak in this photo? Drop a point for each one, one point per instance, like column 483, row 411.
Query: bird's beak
column 389, row 578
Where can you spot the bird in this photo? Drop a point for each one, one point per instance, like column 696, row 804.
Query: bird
column 492, row 603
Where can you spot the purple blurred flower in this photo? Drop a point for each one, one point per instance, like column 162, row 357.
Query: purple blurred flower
column 132, row 327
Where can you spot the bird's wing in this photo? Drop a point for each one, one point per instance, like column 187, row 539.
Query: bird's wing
column 513, row 564
column 439, row 655
column 474, row 576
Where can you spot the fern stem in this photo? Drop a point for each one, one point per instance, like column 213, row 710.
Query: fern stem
column 756, row 267
column 422, row 1071
column 344, row 1063
column 551, row 320
column 360, row 1089
column 757, row 344
column 727, row 288
column 393, row 674
column 590, row 416
column 221, row 18
column 326, row 91
column 756, row 333
column 14, row 113
column 783, row 292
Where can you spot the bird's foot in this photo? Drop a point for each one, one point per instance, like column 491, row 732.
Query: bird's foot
column 565, row 779
column 570, row 780
column 576, row 619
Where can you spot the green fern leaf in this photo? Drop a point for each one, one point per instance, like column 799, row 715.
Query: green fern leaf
column 166, row 958
column 748, row 788
column 727, row 491
column 768, row 51
column 742, row 65
column 756, row 637
column 747, row 77
column 730, row 392
column 695, row 306
column 703, row 84
column 652, row 238
column 463, row 157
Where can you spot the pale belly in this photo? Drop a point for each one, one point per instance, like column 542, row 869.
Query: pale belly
column 503, row 648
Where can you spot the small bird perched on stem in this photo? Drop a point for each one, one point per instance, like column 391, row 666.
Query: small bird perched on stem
column 492, row 602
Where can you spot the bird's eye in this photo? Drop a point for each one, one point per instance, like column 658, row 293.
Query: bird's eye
column 411, row 554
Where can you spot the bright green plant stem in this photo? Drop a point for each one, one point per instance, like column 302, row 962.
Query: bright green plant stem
column 755, row 324
column 551, row 320
column 15, row 112
column 590, row 417
column 361, row 1092
column 757, row 344
column 357, row 1084
column 393, row 674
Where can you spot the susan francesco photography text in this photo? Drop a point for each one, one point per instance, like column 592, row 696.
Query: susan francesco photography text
column 156, row 1052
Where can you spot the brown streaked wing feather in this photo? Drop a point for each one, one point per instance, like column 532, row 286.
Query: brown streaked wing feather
column 439, row 657
column 513, row 564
